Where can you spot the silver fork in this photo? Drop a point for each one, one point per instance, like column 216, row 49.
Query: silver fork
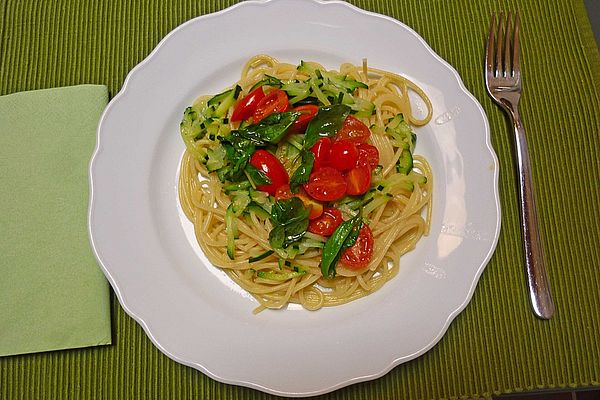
column 503, row 82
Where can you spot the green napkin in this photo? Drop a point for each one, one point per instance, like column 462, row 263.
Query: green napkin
column 53, row 295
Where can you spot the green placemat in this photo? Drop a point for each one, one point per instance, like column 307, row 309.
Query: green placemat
column 496, row 345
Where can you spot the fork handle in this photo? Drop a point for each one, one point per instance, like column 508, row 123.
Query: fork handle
column 537, row 276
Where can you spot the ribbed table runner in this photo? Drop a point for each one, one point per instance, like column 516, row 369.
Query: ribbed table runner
column 496, row 345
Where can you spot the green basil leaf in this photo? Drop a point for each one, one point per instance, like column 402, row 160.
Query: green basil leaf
column 257, row 176
column 345, row 234
column 352, row 236
column 277, row 237
column 270, row 129
column 295, row 231
column 326, row 123
column 288, row 211
column 302, row 173
column 290, row 220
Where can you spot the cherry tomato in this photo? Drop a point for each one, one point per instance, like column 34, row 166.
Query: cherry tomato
column 246, row 106
column 353, row 129
column 326, row 184
column 327, row 223
column 275, row 101
column 316, row 209
column 321, row 151
column 359, row 255
column 358, row 180
column 343, row 155
column 308, row 112
column 272, row 167
column 367, row 155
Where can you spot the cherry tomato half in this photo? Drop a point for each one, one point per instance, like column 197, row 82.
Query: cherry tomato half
column 343, row 155
column 326, row 184
column 327, row 223
column 275, row 101
column 367, row 155
column 272, row 167
column 353, row 129
column 358, row 180
column 321, row 151
column 246, row 106
column 316, row 209
column 359, row 255
column 307, row 112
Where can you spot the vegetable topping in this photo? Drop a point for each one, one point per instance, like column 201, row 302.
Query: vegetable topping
column 312, row 159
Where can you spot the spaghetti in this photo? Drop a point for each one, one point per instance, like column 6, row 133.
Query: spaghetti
column 396, row 206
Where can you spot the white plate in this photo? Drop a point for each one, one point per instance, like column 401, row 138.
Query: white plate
column 188, row 308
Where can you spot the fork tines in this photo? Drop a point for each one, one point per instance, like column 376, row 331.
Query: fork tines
column 503, row 65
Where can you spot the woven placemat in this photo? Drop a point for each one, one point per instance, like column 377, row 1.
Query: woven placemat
column 496, row 345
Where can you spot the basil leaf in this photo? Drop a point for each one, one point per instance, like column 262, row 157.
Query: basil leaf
column 344, row 236
column 285, row 212
column 257, row 176
column 295, row 231
column 352, row 236
column 277, row 237
column 270, row 129
column 326, row 123
column 302, row 173
column 290, row 220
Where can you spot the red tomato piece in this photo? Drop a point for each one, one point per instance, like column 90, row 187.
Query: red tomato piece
column 272, row 167
column 321, row 151
column 343, row 155
column 246, row 106
column 359, row 255
column 326, row 184
column 353, row 129
column 275, row 101
column 327, row 223
column 367, row 155
column 284, row 193
column 358, row 180
column 307, row 112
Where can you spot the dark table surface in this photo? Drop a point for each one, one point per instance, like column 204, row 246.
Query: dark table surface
column 593, row 7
